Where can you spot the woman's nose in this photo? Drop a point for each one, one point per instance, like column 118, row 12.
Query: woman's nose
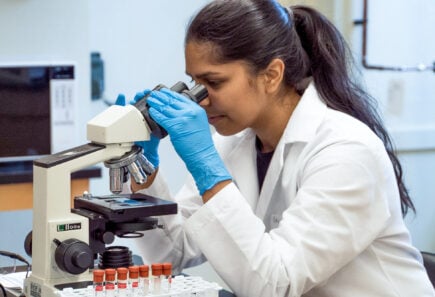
column 205, row 101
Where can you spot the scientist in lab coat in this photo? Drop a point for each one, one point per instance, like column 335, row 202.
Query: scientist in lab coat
column 299, row 193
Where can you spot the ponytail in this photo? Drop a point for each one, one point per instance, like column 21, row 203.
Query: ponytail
column 329, row 67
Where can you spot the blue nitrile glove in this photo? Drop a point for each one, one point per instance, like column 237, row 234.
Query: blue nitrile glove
column 151, row 146
column 187, row 125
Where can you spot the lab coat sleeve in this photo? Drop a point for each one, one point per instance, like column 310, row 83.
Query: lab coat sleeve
column 170, row 243
column 340, row 208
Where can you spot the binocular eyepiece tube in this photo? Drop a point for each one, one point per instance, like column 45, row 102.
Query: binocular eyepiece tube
column 196, row 94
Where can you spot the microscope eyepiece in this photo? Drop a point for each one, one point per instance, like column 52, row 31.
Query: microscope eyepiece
column 196, row 94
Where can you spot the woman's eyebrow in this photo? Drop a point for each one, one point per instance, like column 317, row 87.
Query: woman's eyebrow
column 202, row 75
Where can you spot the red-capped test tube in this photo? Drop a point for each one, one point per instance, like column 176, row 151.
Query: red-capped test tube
column 144, row 274
column 110, row 284
column 98, row 282
column 122, row 281
column 133, row 277
column 167, row 274
column 156, row 271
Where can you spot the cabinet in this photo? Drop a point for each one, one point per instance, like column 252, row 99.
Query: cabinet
column 16, row 187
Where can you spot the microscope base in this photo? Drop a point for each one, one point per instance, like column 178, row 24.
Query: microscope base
column 37, row 287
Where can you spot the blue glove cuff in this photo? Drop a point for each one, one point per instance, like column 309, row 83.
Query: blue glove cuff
column 210, row 174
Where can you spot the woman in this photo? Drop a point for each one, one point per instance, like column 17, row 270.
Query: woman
column 300, row 193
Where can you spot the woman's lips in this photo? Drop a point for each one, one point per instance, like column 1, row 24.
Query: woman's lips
column 214, row 119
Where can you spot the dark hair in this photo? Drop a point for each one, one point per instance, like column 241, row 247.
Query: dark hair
column 257, row 31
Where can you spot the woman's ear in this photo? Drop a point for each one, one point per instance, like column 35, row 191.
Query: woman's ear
column 274, row 74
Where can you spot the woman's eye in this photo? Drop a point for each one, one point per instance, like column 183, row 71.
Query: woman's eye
column 213, row 83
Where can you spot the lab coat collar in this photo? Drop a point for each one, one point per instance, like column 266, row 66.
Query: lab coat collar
column 306, row 117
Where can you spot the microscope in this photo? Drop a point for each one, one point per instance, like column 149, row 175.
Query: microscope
column 66, row 241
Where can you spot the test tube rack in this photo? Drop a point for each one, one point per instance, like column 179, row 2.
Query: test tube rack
column 181, row 286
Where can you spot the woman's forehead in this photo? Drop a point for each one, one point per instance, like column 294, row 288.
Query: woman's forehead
column 202, row 51
column 198, row 56
column 204, row 58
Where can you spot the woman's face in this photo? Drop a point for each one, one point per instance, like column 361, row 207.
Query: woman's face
column 236, row 98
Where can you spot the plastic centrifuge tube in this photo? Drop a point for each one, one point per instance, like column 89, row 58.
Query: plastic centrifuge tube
column 133, row 277
column 156, row 271
column 122, row 281
column 144, row 274
column 167, row 275
column 110, row 284
column 98, row 283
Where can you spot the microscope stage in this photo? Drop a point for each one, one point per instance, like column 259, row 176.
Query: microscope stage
column 118, row 208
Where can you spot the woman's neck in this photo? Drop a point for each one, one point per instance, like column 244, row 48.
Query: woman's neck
column 274, row 120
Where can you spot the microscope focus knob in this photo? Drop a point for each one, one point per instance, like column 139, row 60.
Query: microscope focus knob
column 73, row 256
column 106, row 237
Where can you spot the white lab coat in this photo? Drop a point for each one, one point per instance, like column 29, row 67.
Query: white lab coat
column 326, row 223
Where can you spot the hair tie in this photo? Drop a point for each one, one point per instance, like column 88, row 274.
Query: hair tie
column 283, row 12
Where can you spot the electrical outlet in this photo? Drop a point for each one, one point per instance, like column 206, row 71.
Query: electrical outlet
column 395, row 99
